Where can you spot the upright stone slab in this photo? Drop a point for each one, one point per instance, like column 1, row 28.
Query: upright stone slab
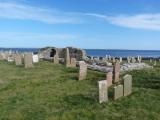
column 127, row 83
column 35, row 58
column 67, row 58
column 103, row 91
column 82, row 70
column 56, row 57
column 18, row 59
column 120, row 59
column 109, row 78
column 28, row 60
column 118, row 92
column 1, row 56
column 116, row 71
column 128, row 59
column 73, row 62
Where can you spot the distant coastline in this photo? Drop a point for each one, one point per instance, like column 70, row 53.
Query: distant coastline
column 102, row 52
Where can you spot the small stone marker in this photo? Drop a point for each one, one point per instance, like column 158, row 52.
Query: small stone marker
column 109, row 78
column 133, row 60
column 116, row 71
column 103, row 91
column 127, row 83
column 28, row 60
column 67, row 58
column 118, row 92
column 73, row 62
column 18, row 59
column 82, row 70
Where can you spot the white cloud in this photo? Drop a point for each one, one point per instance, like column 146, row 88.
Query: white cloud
column 140, row 21
column 26, row 12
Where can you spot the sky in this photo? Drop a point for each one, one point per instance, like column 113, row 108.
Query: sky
column 88, row 24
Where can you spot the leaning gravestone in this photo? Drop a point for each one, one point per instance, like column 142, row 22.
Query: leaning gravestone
column 109, row 78
column 118, row 92
column 116, row 71
column 18, row 59
column 127, row 83
column 28, row 60
column 73, row 62
column 103, row 91
column 82, row 70
column 67, row 58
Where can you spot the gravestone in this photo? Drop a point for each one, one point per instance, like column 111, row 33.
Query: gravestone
column 56, row 57
column 82, row 70
column 127, row 83
column 67, row 58
column 28, row 60
column 1, row 56
column 133, row 60
column 118, row 92
column 18, row 59
column 103, row 91
column 109, row 78
column 35, row 58
column 73, row 62
column 116, row 72
column 155, row 63
column 120, row 59
column 128, row 59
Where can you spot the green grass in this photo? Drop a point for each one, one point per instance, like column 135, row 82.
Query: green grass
column 52, row 92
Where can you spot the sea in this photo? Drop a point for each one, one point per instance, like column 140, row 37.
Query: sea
column 102, row 52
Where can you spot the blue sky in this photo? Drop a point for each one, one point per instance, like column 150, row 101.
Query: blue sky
column 103, row 24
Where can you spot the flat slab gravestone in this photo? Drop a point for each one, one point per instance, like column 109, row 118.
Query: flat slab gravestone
column 127, row 83
column 118, row 92
column 18, row 60
column 28, row 60
column 82, row 70
column 109, row 79
column 103, row 91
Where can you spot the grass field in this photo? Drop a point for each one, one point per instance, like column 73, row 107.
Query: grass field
column 52, row 92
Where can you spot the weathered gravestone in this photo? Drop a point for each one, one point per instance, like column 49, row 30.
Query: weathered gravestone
column 67, row 58
column 133, row 60
column 103, row 91
column 18, row 59
column 118, row 92
column 109, row 78
column 82, row 70
column 128, row 59
column 1, row 56
column 28, row 60
column 127, row 83
column 56, row 57
column 116, row 71
column 73, row 62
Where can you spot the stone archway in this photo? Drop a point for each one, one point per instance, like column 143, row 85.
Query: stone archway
column 52, row 53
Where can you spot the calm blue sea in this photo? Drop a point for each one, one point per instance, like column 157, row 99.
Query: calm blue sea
column 101, row 52
column 123, row 53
